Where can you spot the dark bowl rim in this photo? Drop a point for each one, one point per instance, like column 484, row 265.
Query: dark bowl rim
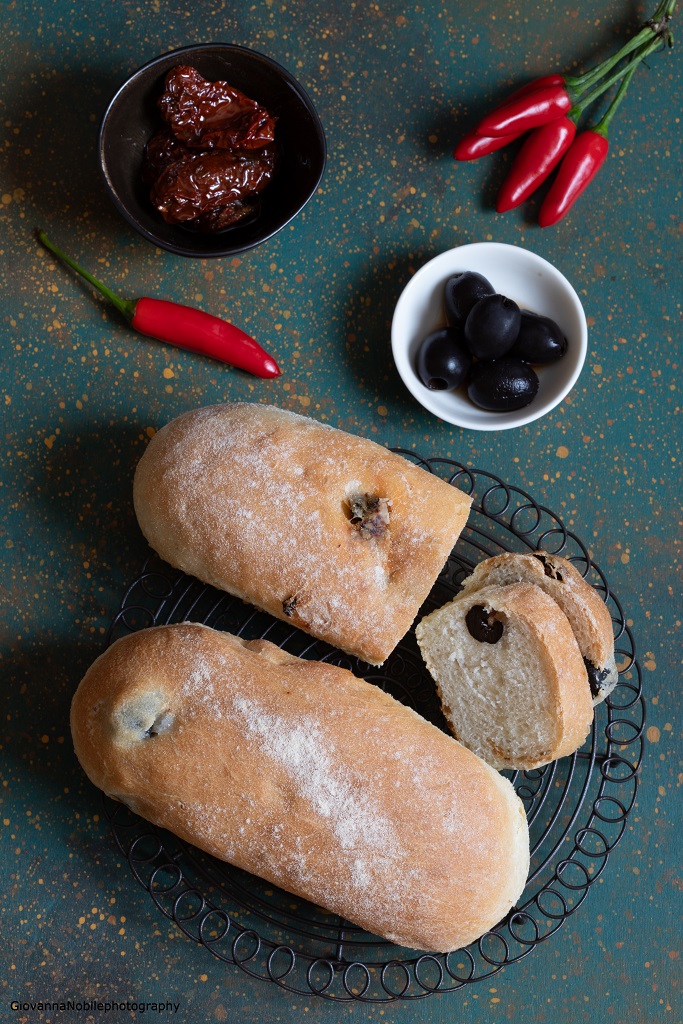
column 233, row 250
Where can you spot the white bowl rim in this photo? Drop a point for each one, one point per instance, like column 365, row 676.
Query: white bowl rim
column 499, row 420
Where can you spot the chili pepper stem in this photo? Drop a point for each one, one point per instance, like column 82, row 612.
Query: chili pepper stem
column 657, row 26
column 582, row 83
column 628, row 70
column 602, row 127
column 125, row 306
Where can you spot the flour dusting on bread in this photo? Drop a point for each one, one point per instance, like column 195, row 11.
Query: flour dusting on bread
column 308, row 756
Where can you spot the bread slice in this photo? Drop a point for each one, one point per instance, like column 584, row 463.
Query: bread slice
column 587, row 612
column 510, row 675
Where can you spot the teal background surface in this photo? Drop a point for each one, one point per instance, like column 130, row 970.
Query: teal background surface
column 395, row 85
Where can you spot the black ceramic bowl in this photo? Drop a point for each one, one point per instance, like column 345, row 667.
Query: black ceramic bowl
column 132, row 118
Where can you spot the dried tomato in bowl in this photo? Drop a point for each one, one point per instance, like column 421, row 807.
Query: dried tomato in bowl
column 217, row 153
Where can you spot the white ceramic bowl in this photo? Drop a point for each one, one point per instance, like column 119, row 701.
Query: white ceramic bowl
column 533, row 283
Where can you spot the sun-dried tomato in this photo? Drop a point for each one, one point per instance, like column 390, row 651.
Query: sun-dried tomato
column 224, row 217
column 161, row 151
column 207, row 166
column 201, row 182
column 213, row 115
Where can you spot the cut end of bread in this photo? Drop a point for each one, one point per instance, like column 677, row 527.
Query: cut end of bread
column 581, row 603
column 520, row 701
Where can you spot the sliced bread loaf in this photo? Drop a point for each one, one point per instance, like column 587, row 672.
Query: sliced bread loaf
column 587, row 612
column 510, row 675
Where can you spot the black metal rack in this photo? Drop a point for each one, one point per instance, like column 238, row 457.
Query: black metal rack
column 576, row 807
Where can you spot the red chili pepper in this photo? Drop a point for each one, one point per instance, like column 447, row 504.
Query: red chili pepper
column 530, row 111
column 188, row 328
column 588, row 152
column 581, row 163
column 538, row 83
column 472, row 146
column 197, row 331
column 537, row 158
column 542, row 106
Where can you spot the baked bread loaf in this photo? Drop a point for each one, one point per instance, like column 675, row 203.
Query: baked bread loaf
column 587, row 612
column 510, row 675
column 321, row 528
column 301, row 773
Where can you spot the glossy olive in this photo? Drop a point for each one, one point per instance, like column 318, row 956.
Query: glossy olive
column 596, row 677
column 492, row 326
column 443, row 359
column 482, row 625
column 462, row 291
column 502, row 385
column 540, row 340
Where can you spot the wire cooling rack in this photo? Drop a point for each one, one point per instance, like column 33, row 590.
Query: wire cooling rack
column 576, row 807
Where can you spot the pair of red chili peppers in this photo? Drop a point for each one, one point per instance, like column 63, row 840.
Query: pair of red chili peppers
column 549, row 108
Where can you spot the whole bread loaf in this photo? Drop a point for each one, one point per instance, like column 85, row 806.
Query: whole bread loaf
column 321, row 528
column 307, row 776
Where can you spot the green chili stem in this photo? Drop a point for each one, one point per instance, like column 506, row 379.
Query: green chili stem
column 125, row 306
column 602, row 127
column 586, row 81
column 627, row 70
column 655, row 27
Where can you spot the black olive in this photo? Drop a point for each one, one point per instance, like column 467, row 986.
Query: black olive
column 540, row 340
column 596, row 677
column 492, row 326
column 502, row 385
column 462, row 291
column 443, row 359
column 482, row 626
column 549, row 569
